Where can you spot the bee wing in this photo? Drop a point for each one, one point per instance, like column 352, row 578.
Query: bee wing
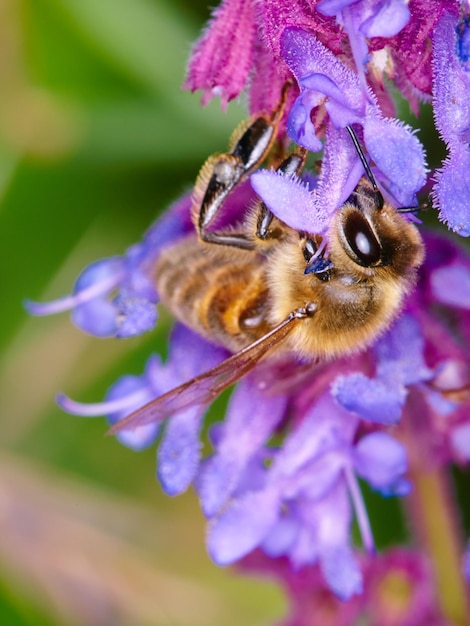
column 203, row 389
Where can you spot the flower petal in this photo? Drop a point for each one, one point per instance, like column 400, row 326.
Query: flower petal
column 281, row 538
column 327, row 426
column 400, row 353
column 341, row 571
column 463, row 43
column 179, row 452
column 97, row 317
column 333, row 7
column 133, row 392
column 398, row 153
column 452, row 190
column 290, row 200
column 381, row 460
column 460, row 440
column 96, row 280
column 388, row 19
column 299, row 124
column 451, row 84
column 242, row 526
column 251, row 419
column 136, row 316
column 306, row 56
column 340, row 173
column 190, row 355
column 218, row 478
column 371, row 399
column 450, row 285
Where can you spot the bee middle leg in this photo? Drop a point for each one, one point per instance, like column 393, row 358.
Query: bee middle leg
column 291, row 166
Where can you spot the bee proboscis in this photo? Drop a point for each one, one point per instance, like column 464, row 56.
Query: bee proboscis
column 267, row 286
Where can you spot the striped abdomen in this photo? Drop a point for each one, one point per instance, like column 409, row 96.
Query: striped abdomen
column 219, row 292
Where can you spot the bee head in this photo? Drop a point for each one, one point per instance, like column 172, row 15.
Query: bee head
column 368, row 235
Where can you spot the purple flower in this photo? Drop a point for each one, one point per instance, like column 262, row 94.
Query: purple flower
column 303, row 510
column 451, row 82
column 127, row 394
column 452, row 115
column 399, row 363
column 463, row 43
column 466, row 563
column 325, row 81
column 179, row 451
column 303, row 206
column 117, row 296
column 450, row 285
column 361, row 20
column 240, row 46
column 307, row 593
column 251, row 419
column 409, row 52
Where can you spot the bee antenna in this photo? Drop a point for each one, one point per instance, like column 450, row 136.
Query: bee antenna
column 410, row 209
column 414, row 209
column 368, row 171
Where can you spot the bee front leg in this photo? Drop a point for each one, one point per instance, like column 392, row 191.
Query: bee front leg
column 221, row 173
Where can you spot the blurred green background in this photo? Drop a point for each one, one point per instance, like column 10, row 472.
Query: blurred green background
column 96, row 138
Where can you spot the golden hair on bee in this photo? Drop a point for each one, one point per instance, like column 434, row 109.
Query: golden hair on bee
column 373, row 256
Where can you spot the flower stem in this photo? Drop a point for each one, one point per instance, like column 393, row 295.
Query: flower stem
column 435, row 523
column 361, row 512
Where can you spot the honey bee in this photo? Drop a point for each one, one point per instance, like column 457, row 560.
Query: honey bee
column 267, row 286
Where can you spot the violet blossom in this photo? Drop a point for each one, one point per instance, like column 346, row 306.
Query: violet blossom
column 116, row 296
column 452, row 115
column 284, row 482
column 398, row 590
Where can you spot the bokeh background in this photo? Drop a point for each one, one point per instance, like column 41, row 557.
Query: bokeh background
column 96, row 138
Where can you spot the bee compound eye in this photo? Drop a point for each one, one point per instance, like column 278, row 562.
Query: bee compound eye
column 362, row 240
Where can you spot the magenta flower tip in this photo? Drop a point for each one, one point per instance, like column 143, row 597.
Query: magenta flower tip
column 221, row 60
